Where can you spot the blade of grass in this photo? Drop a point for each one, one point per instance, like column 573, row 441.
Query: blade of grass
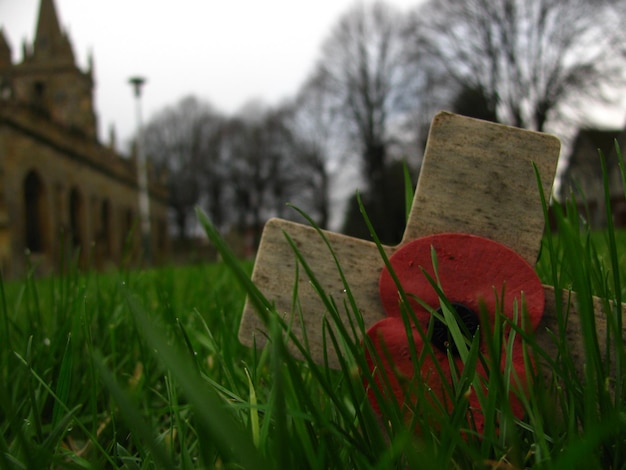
column 256, row 297
column 254, row 411
column 59, row 429
column 218, row 422
column 93, row 438
column 176, row 432
column 32, row 393
column 189, row 346
column 64, row 382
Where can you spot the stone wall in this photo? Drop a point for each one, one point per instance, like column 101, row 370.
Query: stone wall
column 65, row 195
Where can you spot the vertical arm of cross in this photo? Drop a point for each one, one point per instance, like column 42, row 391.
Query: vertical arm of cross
column 478, row 178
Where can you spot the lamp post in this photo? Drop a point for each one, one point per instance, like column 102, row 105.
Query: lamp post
column 142, row 173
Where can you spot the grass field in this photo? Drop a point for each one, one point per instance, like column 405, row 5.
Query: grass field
column 143, row 369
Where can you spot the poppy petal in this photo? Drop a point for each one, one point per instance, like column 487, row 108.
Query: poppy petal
column 473, row 272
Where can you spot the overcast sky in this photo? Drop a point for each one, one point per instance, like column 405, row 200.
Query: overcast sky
column 225, row 51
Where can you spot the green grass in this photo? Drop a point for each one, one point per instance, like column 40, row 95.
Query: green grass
column 144, row 370
column 76, row 360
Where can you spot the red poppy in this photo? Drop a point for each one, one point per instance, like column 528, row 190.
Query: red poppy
column 473, row 272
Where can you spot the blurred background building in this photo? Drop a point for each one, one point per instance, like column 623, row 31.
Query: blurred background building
column 63, row 193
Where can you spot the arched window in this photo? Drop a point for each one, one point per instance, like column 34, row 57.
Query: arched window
column 105, row 228
column 34, row 207
column 76, row 217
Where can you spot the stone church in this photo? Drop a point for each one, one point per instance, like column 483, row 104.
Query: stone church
column 63, row 194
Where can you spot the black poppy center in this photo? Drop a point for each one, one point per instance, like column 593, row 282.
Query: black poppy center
column 441, row 336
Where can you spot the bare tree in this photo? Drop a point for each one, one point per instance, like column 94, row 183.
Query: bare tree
column 235, row 151
column 530, row 58
column 363, row 68
column 256, row 149
column 182, row 139
column 312, row 122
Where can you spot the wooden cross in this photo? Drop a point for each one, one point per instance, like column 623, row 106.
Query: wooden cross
column 477, row 178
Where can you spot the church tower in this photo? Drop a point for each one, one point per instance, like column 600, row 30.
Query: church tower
column 48, row 80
